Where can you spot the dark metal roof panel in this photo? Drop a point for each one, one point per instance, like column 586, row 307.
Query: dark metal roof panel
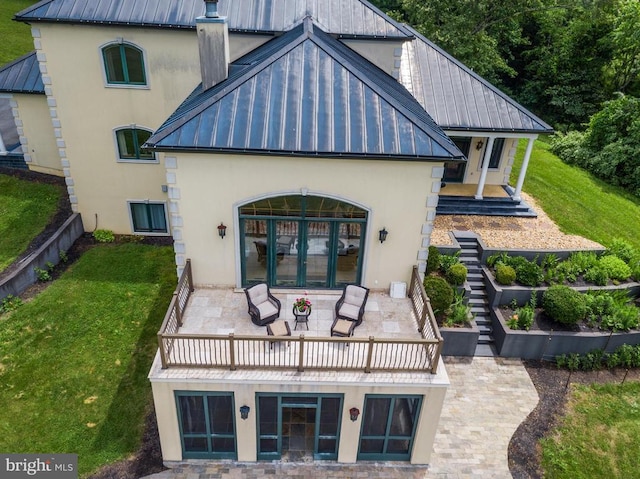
column 357, row 18
column 314, row 96
column 22, row 76
column 456, row 97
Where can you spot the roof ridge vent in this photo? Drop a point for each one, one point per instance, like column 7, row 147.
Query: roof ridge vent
column 211, row 8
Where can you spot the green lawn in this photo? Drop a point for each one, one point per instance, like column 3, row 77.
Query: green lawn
column 599, row 437
column 16, row 36
column 25, row 209
column 74, row 361
column 578, row 202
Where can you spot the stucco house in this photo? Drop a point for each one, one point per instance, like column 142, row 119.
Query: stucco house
column 299, row 143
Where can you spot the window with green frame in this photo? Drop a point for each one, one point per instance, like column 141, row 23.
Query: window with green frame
column 148, row 217
column 207, row 426
column 130, row 141
column 388, row 427
column 124, row 64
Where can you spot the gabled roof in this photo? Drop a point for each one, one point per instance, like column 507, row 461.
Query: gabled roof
column 456, row 97
column 22, row 76
column 349, row 18
column 306, row 93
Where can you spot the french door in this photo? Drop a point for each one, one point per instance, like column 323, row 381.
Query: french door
column 308, row 250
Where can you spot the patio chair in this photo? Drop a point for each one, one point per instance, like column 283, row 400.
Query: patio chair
column 264, row 308
column 349, row 310
column 261, row 249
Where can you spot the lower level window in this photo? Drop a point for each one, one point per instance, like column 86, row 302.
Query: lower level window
column 207, row 427
column 149, row 217
column 388, row 427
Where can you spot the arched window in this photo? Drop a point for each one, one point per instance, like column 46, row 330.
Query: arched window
column 302, row 241
column 124, row 64
column 130, row 141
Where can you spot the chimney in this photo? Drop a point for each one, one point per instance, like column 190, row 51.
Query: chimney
column 213, row 42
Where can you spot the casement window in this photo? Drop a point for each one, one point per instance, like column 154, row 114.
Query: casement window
column 124, row 64
column 130, row 141
column 148, row 217
column 207, row 425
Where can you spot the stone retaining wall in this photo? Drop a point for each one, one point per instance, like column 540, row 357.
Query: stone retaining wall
column 25, row 276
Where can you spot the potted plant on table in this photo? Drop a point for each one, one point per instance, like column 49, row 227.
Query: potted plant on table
column 302, row 306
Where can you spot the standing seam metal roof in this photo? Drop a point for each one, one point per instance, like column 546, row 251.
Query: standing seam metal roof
column 305, row 93
column 456, row 97
column 22, row 76
column 352, row 18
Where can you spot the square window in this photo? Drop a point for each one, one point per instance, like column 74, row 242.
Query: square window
column 149, row 217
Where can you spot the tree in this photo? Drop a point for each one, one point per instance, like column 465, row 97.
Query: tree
column 623, row 73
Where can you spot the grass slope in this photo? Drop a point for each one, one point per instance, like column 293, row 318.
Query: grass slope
column 25, row 210
column 599, row 436
column 578, row 202
column 16, row 36
column 74, row 361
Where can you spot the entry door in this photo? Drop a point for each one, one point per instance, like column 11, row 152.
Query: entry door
column 298, row 426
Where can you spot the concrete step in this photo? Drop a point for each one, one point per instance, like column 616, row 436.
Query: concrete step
column 475, row 284
column 485, row 339
column 478, row 310
column 469, row 252
column 485, row 330
column 486, row 351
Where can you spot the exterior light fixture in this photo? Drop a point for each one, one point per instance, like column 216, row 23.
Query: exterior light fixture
column 354, row 412
column 479, row 145
column 244, row 411
column 382, row 235
column 222, row 230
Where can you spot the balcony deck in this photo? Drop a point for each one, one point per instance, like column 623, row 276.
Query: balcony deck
column 210, row 330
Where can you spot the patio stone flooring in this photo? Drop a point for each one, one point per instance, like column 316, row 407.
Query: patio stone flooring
column 487, row 400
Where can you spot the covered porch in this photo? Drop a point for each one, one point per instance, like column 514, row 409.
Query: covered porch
column 497, row 200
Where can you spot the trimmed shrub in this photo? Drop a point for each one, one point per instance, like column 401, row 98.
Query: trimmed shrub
column 564, row 304
column 457, row 274
column 448, row 260
column 529, row 274
column 440, row 293
column 505, row 274
column 433, row 260
column 615, row 268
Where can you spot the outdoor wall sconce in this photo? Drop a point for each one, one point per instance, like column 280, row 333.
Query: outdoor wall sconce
column 354, row 412
column 222, row 230
column 479, row 145
column 382, row 235
column 244, row 411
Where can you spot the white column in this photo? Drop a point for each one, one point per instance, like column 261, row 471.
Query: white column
column 485, row 167
column 523, row 170
column 3, row 149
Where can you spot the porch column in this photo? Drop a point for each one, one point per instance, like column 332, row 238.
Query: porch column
column 523, row 170
column 3, row 149
column 485, row 168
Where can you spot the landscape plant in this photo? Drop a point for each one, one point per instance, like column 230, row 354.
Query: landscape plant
column 564, row 305
column 440, row 294
column 459, row 313
column 456, row 274
column 433, row 260
column 104, row 236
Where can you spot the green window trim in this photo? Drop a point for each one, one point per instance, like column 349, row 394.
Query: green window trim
column 269, row 431
column 129, row 143
column 384, row 433
column 124, row 65
column 148, row 217
column 207, row 425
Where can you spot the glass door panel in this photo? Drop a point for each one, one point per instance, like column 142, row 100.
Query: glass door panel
column 255, row 250
column 316, row 260
column 348, row 253
column 287, row 252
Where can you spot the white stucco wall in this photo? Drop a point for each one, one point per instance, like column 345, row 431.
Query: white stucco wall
column 432, row 389
column 36, row 133
column 206, row 189
column 499, row 176
column 85, row 110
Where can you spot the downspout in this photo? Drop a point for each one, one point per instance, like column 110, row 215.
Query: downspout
column 523, row 169
column 485, row 168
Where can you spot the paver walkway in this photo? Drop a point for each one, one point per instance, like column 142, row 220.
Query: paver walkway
column 487, row 400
